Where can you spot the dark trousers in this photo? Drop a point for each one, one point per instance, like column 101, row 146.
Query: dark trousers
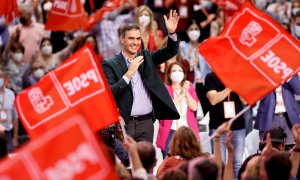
column 141, row 130
column 9, row 138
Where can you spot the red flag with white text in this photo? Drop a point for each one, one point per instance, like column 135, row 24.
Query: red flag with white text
column 70, row 151
column 253, row 54
column 66, row 15
column 8, row 9
column 77, row 86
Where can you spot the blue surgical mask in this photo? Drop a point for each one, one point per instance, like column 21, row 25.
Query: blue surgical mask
column 1, row 82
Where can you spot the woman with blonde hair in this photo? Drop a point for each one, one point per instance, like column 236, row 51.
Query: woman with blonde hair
column 151, row 36
column 184, row 146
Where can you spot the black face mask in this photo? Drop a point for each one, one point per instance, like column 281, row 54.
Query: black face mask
column 23, row 20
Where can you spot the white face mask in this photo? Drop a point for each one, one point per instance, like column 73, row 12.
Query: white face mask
column 295, row 10
column 46, row 50
column 47, row 6
column 177, row 76
column 206, row 4
column 39, row 73
column 297, row 31
column 194, row 35
column 144, row 20
column 18, row 56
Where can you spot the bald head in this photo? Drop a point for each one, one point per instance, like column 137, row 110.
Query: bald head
column 147, row 155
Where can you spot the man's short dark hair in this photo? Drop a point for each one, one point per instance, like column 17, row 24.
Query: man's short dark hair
column 278, row 166
column 127, row 27
column 277, row 136
column 147, row 155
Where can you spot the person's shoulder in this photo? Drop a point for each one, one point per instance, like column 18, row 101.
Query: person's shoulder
column 210, row 75
column 9, row 92
column 111, row 60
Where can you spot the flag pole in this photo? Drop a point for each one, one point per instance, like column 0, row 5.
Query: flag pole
column 231, row 120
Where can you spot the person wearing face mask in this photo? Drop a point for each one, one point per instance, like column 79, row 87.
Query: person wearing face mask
column 33, row 74
column 8, row 114
column 296, row 25
column 50, row 59
column 225, row 104
column 15, row 67
column 185, row 99
column 197, row 64
column 295, row 7
column 29, row 32
column 151, row 36
column 204, row 16
column 282, row 9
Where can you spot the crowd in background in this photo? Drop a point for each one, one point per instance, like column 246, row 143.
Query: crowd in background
column 29, row 51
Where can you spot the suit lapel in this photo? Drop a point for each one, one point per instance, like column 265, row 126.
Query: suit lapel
column 123, row 65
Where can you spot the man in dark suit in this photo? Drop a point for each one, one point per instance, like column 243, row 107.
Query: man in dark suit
column 136, row 86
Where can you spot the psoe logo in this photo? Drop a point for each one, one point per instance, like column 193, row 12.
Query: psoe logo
column 249, row 33
column 39, row 102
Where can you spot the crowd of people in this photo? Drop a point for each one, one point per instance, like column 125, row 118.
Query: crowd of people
column 149, row 54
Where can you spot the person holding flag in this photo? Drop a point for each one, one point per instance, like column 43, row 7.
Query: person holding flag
column 136, row 86
column 225, row 105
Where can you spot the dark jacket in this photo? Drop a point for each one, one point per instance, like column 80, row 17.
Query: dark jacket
column 114, row 69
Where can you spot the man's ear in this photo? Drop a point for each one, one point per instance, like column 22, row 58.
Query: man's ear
column 122, row 39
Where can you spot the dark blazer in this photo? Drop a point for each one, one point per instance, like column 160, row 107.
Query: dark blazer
column 114, row 69
column 266, row 109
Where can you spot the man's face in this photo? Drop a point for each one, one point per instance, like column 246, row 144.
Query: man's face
column 131, row 41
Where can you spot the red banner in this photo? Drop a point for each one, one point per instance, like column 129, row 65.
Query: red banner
column 66, row 15
column 109, row 6
column 249, row 55
column 75, row 87
column 9, row 9
column 70, row 151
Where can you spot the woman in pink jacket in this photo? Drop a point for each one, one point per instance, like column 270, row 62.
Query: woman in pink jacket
column 186, row 102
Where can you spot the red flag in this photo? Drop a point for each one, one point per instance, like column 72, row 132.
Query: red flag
column 76, row 86
column 9, row 9
column 250, row 57
column 70, row 151
column 109, row 6
column 66, row 15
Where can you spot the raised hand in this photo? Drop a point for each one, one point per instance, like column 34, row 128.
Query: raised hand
column 172, row 22
column 186, row 86
column 228, row 142
column 225, row 127
column 296, row 134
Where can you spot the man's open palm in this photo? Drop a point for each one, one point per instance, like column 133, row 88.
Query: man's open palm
column 172, row 22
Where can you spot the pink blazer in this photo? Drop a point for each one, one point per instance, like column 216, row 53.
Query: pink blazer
column 165, row 125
